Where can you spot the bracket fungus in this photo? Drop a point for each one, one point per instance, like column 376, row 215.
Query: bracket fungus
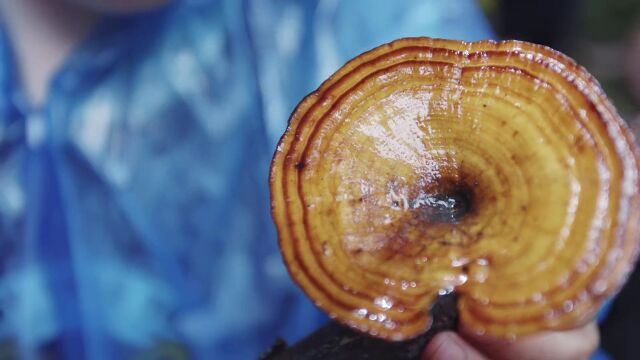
column 497, row 170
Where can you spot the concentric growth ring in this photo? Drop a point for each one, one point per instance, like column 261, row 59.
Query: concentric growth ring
column 498, row 170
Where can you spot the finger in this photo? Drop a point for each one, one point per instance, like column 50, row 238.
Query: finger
column 572, row 344
column 449, row 346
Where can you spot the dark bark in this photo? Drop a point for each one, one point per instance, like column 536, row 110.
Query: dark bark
column 338, row 342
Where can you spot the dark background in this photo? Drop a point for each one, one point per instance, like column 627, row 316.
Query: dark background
column 604, row 36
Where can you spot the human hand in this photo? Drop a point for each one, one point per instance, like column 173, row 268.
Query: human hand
column 575, row 344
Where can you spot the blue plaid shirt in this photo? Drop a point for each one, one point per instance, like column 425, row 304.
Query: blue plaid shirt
column 134, row 206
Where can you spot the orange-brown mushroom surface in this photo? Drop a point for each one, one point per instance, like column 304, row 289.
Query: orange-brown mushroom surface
column 498, row 170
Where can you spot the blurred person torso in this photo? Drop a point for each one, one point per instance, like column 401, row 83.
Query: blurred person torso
column 134, row 205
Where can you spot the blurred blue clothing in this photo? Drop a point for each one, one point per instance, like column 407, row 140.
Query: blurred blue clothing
column 134, row 205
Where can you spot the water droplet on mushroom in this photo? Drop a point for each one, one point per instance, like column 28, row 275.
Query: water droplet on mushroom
column 567, row 306
column 383, row 302
column 446, row 290
column 390, row 282
column 599, row 287
column 459, row 262
column 389, row 324
column 326, row 249
column 479, row 273
column 360, row 313
column 537, row 297
column 462, row 279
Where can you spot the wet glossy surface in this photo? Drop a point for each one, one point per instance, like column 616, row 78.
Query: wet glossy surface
column 498, row 170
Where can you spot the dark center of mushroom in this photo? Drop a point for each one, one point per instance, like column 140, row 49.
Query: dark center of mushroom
column 447, row 203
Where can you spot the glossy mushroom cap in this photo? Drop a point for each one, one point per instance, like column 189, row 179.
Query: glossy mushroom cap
column 498, row 170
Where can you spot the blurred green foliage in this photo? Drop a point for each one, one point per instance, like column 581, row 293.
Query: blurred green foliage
column 597, row 37
column 489, row 6
column 608, row 20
